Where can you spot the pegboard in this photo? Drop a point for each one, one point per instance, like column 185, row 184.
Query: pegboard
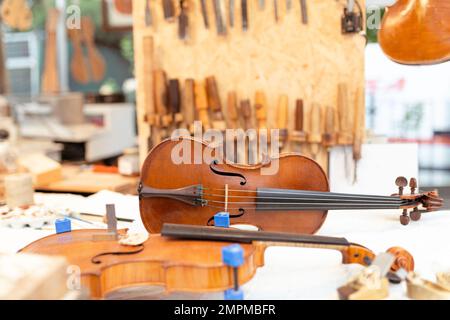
column 305, row 61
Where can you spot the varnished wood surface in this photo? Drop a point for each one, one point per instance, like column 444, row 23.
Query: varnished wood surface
column 416, row 31
column 295, row 172
column 193, row 266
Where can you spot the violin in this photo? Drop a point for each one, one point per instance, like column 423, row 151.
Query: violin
column 184, row 258
column 416, row 32
column 295, row 199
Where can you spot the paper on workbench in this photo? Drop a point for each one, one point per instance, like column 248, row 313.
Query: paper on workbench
column 127, row 206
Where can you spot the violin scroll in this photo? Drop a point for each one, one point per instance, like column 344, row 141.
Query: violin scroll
column 361, row 255
column 430, row 200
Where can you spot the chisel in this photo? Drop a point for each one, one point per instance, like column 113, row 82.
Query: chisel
column 204, row 13
column 231, row 9
column 244, row 8
column 188, row 104
column 304, row 9
column 298, row 135
column 168, row 10
column 218, row 12
column 183, row 20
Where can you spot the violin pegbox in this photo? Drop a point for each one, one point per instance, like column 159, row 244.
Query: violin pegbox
column 430, row 200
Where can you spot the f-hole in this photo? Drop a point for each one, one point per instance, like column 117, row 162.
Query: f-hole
column 227, row 174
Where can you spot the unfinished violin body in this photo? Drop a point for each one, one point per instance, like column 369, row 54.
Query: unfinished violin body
column 416, row 32
column 188, row 182
column 192, row 266
column 186, row 258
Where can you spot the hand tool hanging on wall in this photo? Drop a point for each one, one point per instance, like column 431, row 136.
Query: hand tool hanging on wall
column 345, row 122
column 148, row 13
column 218, row 13
column 188, row 104
column 261, row 4
column 275, row 10
column 246, row 112
column 201, row 104
column 298, row 136
column 175, row 103
column 282, row 120
column 304, row 10
column 315, row 131
column 330, row 135
column 183, row 20
column 261, row 109
column 168, row 10
column 204, row 13
column 149, row 100
column 244, row 11
column 163, row 118
column 214, row 103
column 358, row 130
column 352, row 22
column 232, row 114
column 50, row 77
column 295, row 198
column 288, row 5
column 97, row 63
column 231, row 9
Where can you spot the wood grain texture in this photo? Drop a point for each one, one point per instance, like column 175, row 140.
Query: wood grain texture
column 304, row 61
column 416, row 31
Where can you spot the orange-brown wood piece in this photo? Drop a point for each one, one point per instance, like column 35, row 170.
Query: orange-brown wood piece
column 416, row 31
column 173, row 166
column 176, row 264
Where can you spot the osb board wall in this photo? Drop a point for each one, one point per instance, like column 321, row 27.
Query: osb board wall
column 288, row 57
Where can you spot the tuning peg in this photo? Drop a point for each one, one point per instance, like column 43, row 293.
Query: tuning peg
column 413, row 185
column 401, row 182
column 415, row 214
column 404, row 219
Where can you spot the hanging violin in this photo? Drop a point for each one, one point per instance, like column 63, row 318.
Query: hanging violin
column 416, row 32
column 185, row 258
column 188, row 182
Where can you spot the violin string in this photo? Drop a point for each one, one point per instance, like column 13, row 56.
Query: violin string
column 394, row 200
column 307, row 193
column 277, row 208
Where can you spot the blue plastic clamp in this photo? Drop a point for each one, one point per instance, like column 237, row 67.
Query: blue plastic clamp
column 222, row 219
column 232, row 294
column 63, row 225
column 233, row 255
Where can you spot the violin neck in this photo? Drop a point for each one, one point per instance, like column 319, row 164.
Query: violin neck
column 241, row 236
column 284, row 199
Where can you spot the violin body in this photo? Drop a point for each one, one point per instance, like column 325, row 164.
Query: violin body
column 160, row 173
column 177, row 265
column 416, row 32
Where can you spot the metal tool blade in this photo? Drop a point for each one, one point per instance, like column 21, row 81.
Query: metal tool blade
column 244, row 8
column 218, row 10
column 231, row 9
column 111, row 219
column 304, row 9
column 204, row 13
column 383, row 262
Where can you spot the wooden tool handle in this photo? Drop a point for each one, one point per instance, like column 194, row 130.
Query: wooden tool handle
column 329, row 137
column 345, row 130
column 168, row 10
column 282, row 111
column 261, row 109
column 50, row 76
column 201, row 104
column 314, row 135
column 78, row 63
column 160, row 96
column 358, row 130
column 233, row 118
column 188, row 103
column 174, row 96
column 299, row 115
column 147, row 46
column 246, row 111
column 213, row 95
